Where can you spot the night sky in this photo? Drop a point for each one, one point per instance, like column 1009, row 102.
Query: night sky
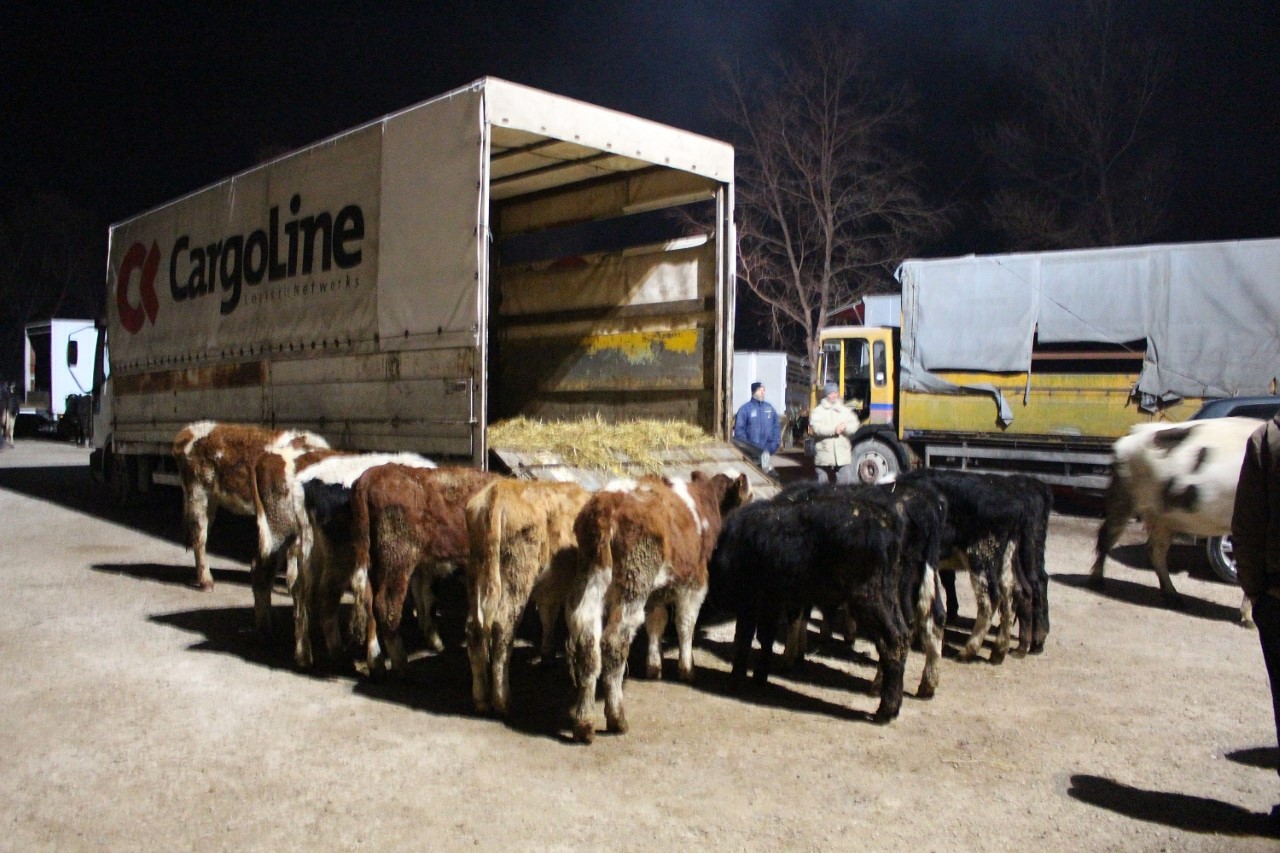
column 117, row 111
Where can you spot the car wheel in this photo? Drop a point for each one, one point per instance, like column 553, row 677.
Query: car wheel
column 1221, row 558
column 873, row 461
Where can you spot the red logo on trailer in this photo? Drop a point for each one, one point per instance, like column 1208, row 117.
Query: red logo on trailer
column 147, row 262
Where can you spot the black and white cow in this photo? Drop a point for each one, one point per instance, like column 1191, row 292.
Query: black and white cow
column 1179, row 478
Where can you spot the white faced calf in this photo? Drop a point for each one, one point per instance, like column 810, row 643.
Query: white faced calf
column 216, row 463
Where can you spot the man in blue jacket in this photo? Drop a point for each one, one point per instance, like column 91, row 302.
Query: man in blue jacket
column 757, row 424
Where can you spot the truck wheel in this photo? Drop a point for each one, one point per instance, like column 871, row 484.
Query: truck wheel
column 1221, row 558
column 874, row 460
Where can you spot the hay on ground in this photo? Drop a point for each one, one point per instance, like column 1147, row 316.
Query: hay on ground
column 591, row 442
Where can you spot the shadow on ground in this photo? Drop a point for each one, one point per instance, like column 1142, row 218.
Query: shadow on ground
column 1145, row 595
column 1262, row 757
column 1180, row 811
column 157, row 514
column 434, row 683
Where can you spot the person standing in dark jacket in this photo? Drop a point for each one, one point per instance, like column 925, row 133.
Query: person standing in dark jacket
column 757, row 424
column 1255, row 538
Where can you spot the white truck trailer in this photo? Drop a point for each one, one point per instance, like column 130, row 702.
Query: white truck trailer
column 57, row 363
column 404, row 284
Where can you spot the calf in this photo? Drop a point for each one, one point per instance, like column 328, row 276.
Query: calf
column 921, row 512
column 407, row 527
column 984, row 522
column 780, row 557
column 286, row 537
column 216, row 464
column 1180, row 478
column 642, row 546
column 522, row 545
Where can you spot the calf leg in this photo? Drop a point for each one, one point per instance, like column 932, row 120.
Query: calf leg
column 302, row 621
column 1160, row 539
column 502, row 637
column 797, row 639
column 1004, row 637
column 655, row 624
column 261, row 577
column 767, row 631
column 584, row 613
column 893, row 656
column 1119, row 511
column 981, row 582
column 615, row 642
column 478, row 655
column 930, row 634
column 948, row 577
column 744, row 633
column 548, row 604
column 199, row 514
column 688, row 605
column 424, row 598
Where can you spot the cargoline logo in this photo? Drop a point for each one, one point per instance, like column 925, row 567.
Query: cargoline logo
column 146, row 262
column 225, row 266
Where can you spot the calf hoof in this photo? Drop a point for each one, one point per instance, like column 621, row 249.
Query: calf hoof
column 966, row 654
column 1248, row 623
column 687, row 676
column 1037, row 647
column 925, row 691
column 997, row 657
column 883, row 716
column 653, row 673
column 617, row 725
column 584, row 732
column 205, row 586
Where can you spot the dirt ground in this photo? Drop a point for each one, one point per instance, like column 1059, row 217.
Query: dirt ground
column 140, row 713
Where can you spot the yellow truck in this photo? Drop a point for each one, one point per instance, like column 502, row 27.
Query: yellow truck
column 1035, row 363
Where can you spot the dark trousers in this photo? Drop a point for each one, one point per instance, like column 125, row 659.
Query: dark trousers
column 1266, row 615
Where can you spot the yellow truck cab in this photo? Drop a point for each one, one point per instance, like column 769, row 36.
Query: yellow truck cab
column 862, row 361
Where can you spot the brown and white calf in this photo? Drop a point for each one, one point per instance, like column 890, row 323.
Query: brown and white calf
column 316, row 578
column 408, row 527
column 1180, row 478
column 216, row 464
column 522, row 547
column 642, row 546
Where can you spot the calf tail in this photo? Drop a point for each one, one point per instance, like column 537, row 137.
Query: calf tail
column 485, row 519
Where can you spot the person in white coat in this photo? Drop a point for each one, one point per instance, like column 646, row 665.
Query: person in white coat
column 832, row 423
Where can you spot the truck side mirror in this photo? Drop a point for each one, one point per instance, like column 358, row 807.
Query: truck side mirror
column 73, row 353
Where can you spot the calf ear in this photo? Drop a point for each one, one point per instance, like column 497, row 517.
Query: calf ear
column 697, row 477
column 743, row 487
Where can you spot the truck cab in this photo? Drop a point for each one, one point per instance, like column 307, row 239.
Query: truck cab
column 862, row 361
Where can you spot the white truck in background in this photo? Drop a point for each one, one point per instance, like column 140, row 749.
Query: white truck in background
column 57, row 363
column 785, row 378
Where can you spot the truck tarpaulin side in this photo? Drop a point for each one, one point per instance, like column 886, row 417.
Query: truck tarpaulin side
column 1205, row 312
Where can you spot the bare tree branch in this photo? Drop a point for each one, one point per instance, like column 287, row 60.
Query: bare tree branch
column 1076, row 172
column 826, row 204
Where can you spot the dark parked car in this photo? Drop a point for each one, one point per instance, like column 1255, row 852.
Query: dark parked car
column 1218, row 548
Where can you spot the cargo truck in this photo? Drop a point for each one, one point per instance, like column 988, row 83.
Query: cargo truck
column 1035, row 363
column 494, row 252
